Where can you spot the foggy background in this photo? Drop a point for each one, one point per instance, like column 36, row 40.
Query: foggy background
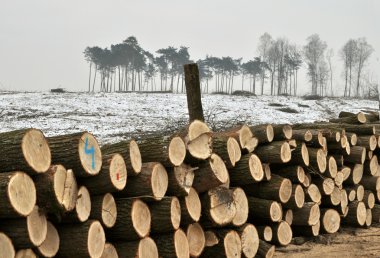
column 42, row 42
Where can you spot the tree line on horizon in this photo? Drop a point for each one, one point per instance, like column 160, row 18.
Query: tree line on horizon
column 126, row 66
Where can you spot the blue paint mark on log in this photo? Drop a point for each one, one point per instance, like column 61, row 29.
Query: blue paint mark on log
column 90, row 151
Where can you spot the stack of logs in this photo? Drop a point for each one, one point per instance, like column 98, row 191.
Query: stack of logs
column 198, row 193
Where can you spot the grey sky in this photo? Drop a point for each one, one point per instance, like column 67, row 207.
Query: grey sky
column 41, row 41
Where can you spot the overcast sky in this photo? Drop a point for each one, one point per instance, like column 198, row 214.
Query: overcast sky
column 42, row 41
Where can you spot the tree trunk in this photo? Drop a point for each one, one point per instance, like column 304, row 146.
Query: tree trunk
column 249, row 170
column 166, row 215
column 274, row 153
column 282, row 233
column 227, row 148
column 145, row 247
column 261, row 210
column 173, row 245
column 190, row 208
column 308, row 215
column 263, row 133
column 193, row 92
column 356, row 215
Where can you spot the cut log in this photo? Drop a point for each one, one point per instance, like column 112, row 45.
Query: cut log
column 346, row 172
column 325, row 185
column 133, row 220
column 241, row 203
column 308, row 215
column 263, row 133
column 190, row 208
column 56, row 190
column 6, row 246
column 244, row 136
column 50, row 246
column 143, row 248
column 359, row 116
column 228, row 245
column 363, row 129
column 104, row 209
column 196, row 239
column 210, row 174
column 356, row 215
column 109, row 251
column 152, row 182
column 166, row 215
column 82, row 209
column 370, row 166
column 300, row 156
column 180, row 180
column 297, row 199
column 376, row 213
column 307, row 180
column 339, row 179
column 17, row 193
column 265, row 250
column 343, row 203
column 26, row 232
column 368, row 220
column 356, row 174
column 357, row 119
column 88, row 239
column 331, row 168
column 282, row 132
column 264, row 210
column 308, row 231
column 198, row 149
column 358, row 192
column 357, row 155
column 296, row 174
column 274, row 153
column 193, row 92
column 130, row 152
column 339, row 160
column 26, row 253
column 227, row 148
column 332, row 199
column 111, row 178
column 249, row 170
column 79, row 152
column 218, row 207
column 267, row 172
column 304, row 135
column 173, row 245
column 264, row 232
column 318, row 159
column 211, row 238
column 26, row 150
column 169, row 151
column 369, row 199
column 371, row 183
column 278, row 188
column 352, row 138
column 312, row 194
column 331, row 136
column 282, row 233
column 249, row 240
column 369, row 142
column 288, row 216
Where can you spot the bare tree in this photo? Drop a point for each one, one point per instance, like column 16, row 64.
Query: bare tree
column 329, row 55
column 265, row 43
column 349, row 56
column 364, row 51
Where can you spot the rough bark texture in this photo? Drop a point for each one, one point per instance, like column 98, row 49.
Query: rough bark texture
column 264, row 210
column 263, row 133
column 166, row 215
column 229, row 245
column 227, row 148
column 308, row 215
column 265, row 250
column 193, row 92
column 274, row 153
column 190, row 208
column 143, row 248
column 173, row 245
column 249, row 170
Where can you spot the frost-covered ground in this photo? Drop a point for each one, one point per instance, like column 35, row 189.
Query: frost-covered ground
column 114, row 116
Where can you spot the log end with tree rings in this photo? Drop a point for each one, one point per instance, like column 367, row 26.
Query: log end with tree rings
column 368, row 220
column 60, row 176
column 90, row 154
column 109, row 251
column 246, row 139
column 109, row 211
column 313, row 193
column 233, row 150
column 299, row 196
column 308, row 136
column 328, row 186
column 200, row 147
column 330, row 221
column 70, row 192
column 266, row 250
column 275, row 211
column 211, row 239
column 25, row 253
column 50, row 246
column 193, row 205
column 83, row 204
column 6, row 246
column 36, row 151
column 21, row 192
column 300, row 174
column 141, row 218
column 332, row 167
column 305, row 154
column 269, row 132
column 265, row 233
column 249, row 240
column 321, row 160
column 118, row 172
column 96, row 239
column 37, row 227
column 256, row 168
column 241, row 203
column 361, row 118
column 357, row 173
column 181, row 244
column 288, row 216
column 175, row 213
column 314, row 215
column 159, row 181
column 219, row 168
column 283, row 233
column 372, row 142
column 147, row 248
column 285, row 152
column 315, row 229
column 177, row 151
column 222, row 208
column 196, row 129
column 373, row 165
column 346, row 172
column 135, row 156
column 196, row 239
column 232, row 244
column 285, row 191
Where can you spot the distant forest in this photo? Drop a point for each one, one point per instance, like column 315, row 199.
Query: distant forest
column 128, row 67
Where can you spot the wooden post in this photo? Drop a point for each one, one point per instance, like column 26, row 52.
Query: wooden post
column 193, row 92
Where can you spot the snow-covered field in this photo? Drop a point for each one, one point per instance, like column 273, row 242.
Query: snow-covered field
column 114, row 116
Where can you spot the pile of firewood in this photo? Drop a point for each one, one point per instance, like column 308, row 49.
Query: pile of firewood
column 238, row 192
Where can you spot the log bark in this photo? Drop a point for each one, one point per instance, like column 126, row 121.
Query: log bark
column 210, row 174
column 190, row 208
column 7, row 248
column 17, row 193
column 166, row 215
column 193, row 92
column 376, row 213
column 264, row 232
column 308, row 215
column 300, row 156
column 261, row 210
column 228, row 245
column 196, row 239
column 104, row 209
column 111, row 178
column 356, row 215
column 356, row 174
column 370, row 166
column 25, row 150
column 133, row 220
column 263, row 133
column 371, row 183
column 50, row 246
column 282, row 233
column 242, row 209
column 274, row 153
column 357, row 155
column 249, row 170
column 26, row 232
column 152, row 182
column 79, row 152
column 227, row 148
column 318, row 160
column 325, row 185
column 82, row 209
column 88, row 239
column 282, row 132
column 296, row 174
column 369, row 142
column 265, row 250
column 142, row 248
column 131, row 153
column 297, row 199
column 308, row 231
column 173, row 245
column 180, row 180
